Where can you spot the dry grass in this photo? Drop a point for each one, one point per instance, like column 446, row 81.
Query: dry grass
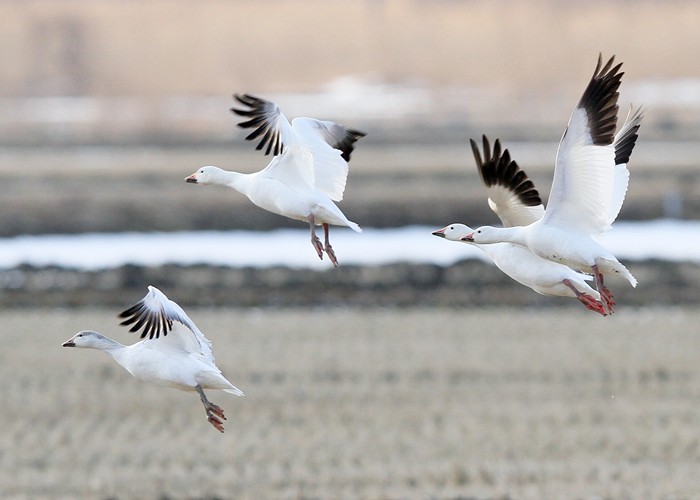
column 364, row 404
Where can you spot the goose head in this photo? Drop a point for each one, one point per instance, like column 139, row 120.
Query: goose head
column 483, row 234
column 88, row 339
column 205, row 175
column 453, row 232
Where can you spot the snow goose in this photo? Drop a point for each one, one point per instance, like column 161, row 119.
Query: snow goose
column 306, row 175
column 173, row 351
column 587, row 191
column 513, row 197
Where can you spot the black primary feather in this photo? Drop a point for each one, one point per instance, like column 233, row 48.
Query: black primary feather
column 153, row 323
column 626, row 142
column 499, row 169
column 600, row 101
column 347, row 144
column 260, row 112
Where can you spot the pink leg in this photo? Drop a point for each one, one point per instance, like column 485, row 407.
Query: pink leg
column 215, row 414
column 329, row 248
column 314, row 239
column 588, row 301
column 605, row 294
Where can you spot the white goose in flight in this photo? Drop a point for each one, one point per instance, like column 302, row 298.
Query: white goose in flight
column 306, row 175
column 588, row 189
column 173, row 351
column 513, row 197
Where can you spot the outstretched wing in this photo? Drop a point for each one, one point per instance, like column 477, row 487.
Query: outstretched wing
column 309, row 153
column 266, row 120
column 163, row 321
column 584, row 176
column 512, row 195
column 328, row 147
column 292, row 163
column 624, row 143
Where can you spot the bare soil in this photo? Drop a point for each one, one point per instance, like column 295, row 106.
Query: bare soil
column 363, row 403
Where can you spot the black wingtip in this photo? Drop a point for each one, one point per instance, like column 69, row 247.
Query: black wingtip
column 476, row 153
column 258, row 114
column 626, row 142
column 599, row 99
column 497, row 168
column 151, row 323
column 346, row 145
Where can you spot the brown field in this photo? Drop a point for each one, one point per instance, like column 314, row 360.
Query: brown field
column 350, row 403
column 432, row 402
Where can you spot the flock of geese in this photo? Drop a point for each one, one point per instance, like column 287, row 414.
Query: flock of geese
column 554, row 251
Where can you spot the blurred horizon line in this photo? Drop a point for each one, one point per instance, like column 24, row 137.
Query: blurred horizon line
column 392, row 112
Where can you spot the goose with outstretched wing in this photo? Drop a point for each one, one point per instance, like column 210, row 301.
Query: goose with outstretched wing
column 173, row 351
column 307, row 174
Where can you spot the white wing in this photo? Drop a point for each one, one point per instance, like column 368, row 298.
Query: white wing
column 293, row 168
column 166, row 325
column 308, row 153
column 309, row 162
column 331, row 146
column 624, row 143
column 584, row 177
column 511, row 194
column 292, row 163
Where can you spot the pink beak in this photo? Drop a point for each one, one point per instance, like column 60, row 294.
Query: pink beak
column 469, row 237
column 439, row 232
column 192, row 178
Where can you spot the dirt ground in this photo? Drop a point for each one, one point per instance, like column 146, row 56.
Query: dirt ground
column 356, row 403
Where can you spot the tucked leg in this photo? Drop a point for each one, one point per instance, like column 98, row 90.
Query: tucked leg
column 587, row 300
column 605, row 294
column 328, row 248
column 314, row 239
column 215, row 414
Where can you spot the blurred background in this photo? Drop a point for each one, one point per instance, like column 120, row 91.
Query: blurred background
column 106, row 106
column 414, row 370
